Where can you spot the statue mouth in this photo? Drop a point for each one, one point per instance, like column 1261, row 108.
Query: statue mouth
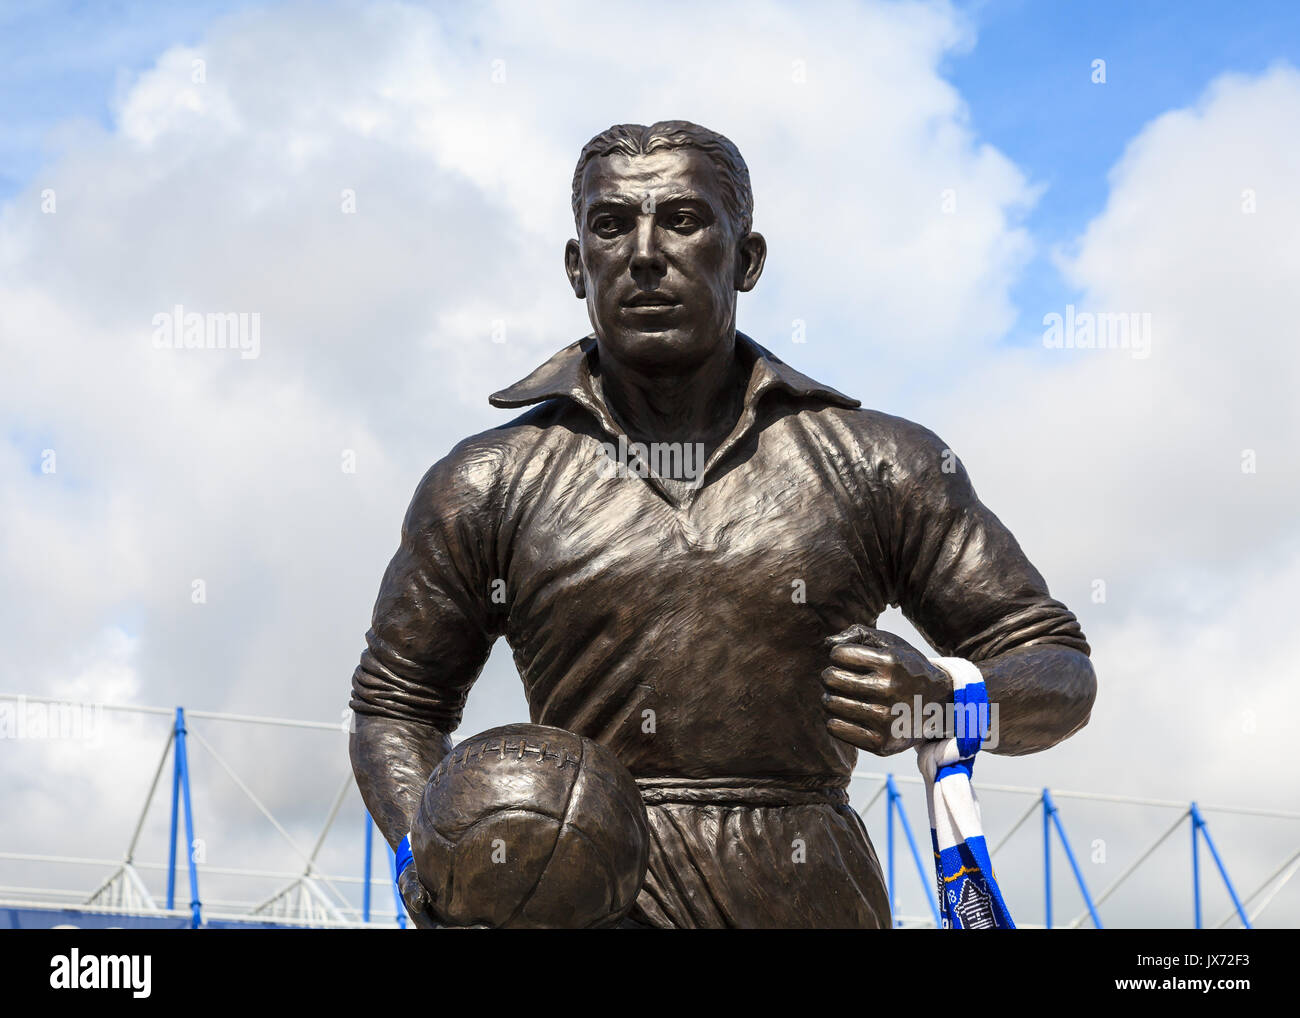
column 650, row 300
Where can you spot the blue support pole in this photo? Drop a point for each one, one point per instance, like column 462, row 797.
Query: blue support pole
column 397, row 894
column 1069, row 854
column 365, row 883
column 182, row 758
column 916, row 855
column 889, row 847
column 1199, row 821
column 1196, row 867
column 176, row 801
column 1047, row 860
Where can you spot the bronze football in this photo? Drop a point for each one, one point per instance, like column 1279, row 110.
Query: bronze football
column 527, row 826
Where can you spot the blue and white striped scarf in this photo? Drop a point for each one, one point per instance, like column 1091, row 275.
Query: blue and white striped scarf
column 969, row 897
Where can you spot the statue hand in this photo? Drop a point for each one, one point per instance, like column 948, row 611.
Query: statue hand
column 871, row 670
column 416, row 899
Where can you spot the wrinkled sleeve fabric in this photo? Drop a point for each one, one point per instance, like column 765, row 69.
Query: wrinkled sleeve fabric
column 432, row 627
column 959, row 575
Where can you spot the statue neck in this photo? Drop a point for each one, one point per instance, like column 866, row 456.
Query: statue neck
column 699, row 404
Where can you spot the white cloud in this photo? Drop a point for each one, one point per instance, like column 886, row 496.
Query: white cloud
column 1130, row 471
column 224, row 195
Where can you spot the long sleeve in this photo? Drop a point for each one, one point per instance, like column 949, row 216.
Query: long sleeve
column 959, row 575
column 433, row 625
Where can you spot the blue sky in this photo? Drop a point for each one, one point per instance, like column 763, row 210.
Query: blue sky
column 65, row 61
column 1028, row 84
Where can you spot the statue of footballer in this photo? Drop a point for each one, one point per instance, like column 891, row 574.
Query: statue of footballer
column 705, row 611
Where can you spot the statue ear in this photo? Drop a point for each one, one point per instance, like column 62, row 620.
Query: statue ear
column 751, row 253
column 573, row 269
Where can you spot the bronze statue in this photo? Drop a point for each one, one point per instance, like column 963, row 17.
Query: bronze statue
column 675, row 539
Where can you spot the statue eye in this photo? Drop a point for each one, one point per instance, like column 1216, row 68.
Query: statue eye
column 684, row 221
column 605, row 226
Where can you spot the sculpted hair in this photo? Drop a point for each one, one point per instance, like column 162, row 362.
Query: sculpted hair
column 637, row 139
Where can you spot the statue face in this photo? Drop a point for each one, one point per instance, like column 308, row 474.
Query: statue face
column 658, row 260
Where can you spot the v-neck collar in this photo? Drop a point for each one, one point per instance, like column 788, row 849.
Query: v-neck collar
column 569, row 374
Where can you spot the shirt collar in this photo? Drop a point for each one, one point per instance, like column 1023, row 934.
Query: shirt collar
column 568, row 373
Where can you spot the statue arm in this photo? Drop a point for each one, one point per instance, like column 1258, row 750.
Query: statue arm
column 1045, row 693
column 968, row 588
column 430, row 635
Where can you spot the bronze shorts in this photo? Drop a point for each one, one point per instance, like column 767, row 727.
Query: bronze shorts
column 760, row 854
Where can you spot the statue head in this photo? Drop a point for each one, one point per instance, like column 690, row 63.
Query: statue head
column 663, row 216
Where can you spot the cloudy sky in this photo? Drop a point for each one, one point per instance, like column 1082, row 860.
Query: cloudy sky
column 386, row 186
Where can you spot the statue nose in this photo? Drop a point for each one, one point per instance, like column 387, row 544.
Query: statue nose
column 646, row 256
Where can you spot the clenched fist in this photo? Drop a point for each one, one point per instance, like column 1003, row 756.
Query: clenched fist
column 871, row 671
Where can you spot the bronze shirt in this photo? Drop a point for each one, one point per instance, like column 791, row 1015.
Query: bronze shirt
column 689, row 634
